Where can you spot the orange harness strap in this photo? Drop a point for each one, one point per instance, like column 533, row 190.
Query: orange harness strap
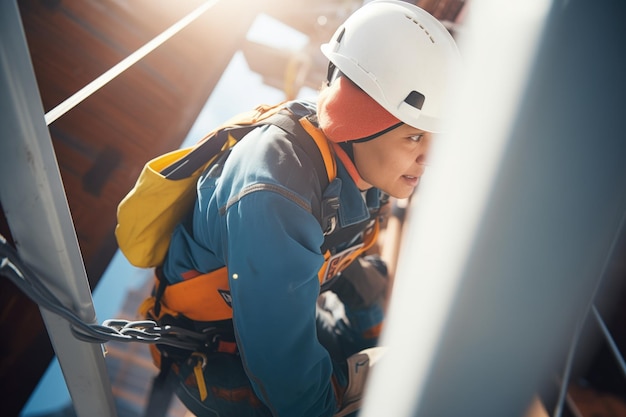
column 206, row 297
column 337, row 263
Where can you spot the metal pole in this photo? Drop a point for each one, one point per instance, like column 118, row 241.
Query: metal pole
column 126, row 63
column 619, row 358
column 571, row 354
column 37, row 212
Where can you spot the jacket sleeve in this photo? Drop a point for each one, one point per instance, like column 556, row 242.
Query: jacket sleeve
column 273, row 260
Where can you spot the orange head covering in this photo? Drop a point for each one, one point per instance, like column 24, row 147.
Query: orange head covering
column 347, row 113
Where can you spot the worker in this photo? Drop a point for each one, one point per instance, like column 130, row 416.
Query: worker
column 303, row 340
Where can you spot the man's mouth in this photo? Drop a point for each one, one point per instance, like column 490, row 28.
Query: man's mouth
column 412, row 180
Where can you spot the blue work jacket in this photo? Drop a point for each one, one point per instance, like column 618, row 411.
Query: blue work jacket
column 258, row 215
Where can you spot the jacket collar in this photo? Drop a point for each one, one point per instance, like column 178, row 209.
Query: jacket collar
column 354, row 205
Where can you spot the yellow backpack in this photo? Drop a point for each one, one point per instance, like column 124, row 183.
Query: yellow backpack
column 165, row 190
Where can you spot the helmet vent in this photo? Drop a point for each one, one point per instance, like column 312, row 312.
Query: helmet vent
column 421, row 27
column 415, row 99
column 340, row 36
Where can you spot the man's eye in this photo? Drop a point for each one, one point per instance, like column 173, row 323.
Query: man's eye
column 416, row 138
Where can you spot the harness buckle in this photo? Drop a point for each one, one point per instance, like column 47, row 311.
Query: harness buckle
column 197, row 370
column 330, row 206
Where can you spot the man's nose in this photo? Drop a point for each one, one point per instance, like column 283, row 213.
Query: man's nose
column 424, row 152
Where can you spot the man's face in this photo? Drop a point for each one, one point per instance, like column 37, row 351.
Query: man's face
column 394, row 161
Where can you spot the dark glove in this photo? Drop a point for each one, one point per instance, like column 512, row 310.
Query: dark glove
column 363, row 283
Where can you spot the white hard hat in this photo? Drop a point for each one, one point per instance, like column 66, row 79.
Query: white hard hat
column 401, row 56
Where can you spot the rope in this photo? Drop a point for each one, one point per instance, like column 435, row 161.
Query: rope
column 143, row 331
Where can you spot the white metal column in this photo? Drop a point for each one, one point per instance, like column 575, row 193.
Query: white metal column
column 517, row 217
column 37, row 212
